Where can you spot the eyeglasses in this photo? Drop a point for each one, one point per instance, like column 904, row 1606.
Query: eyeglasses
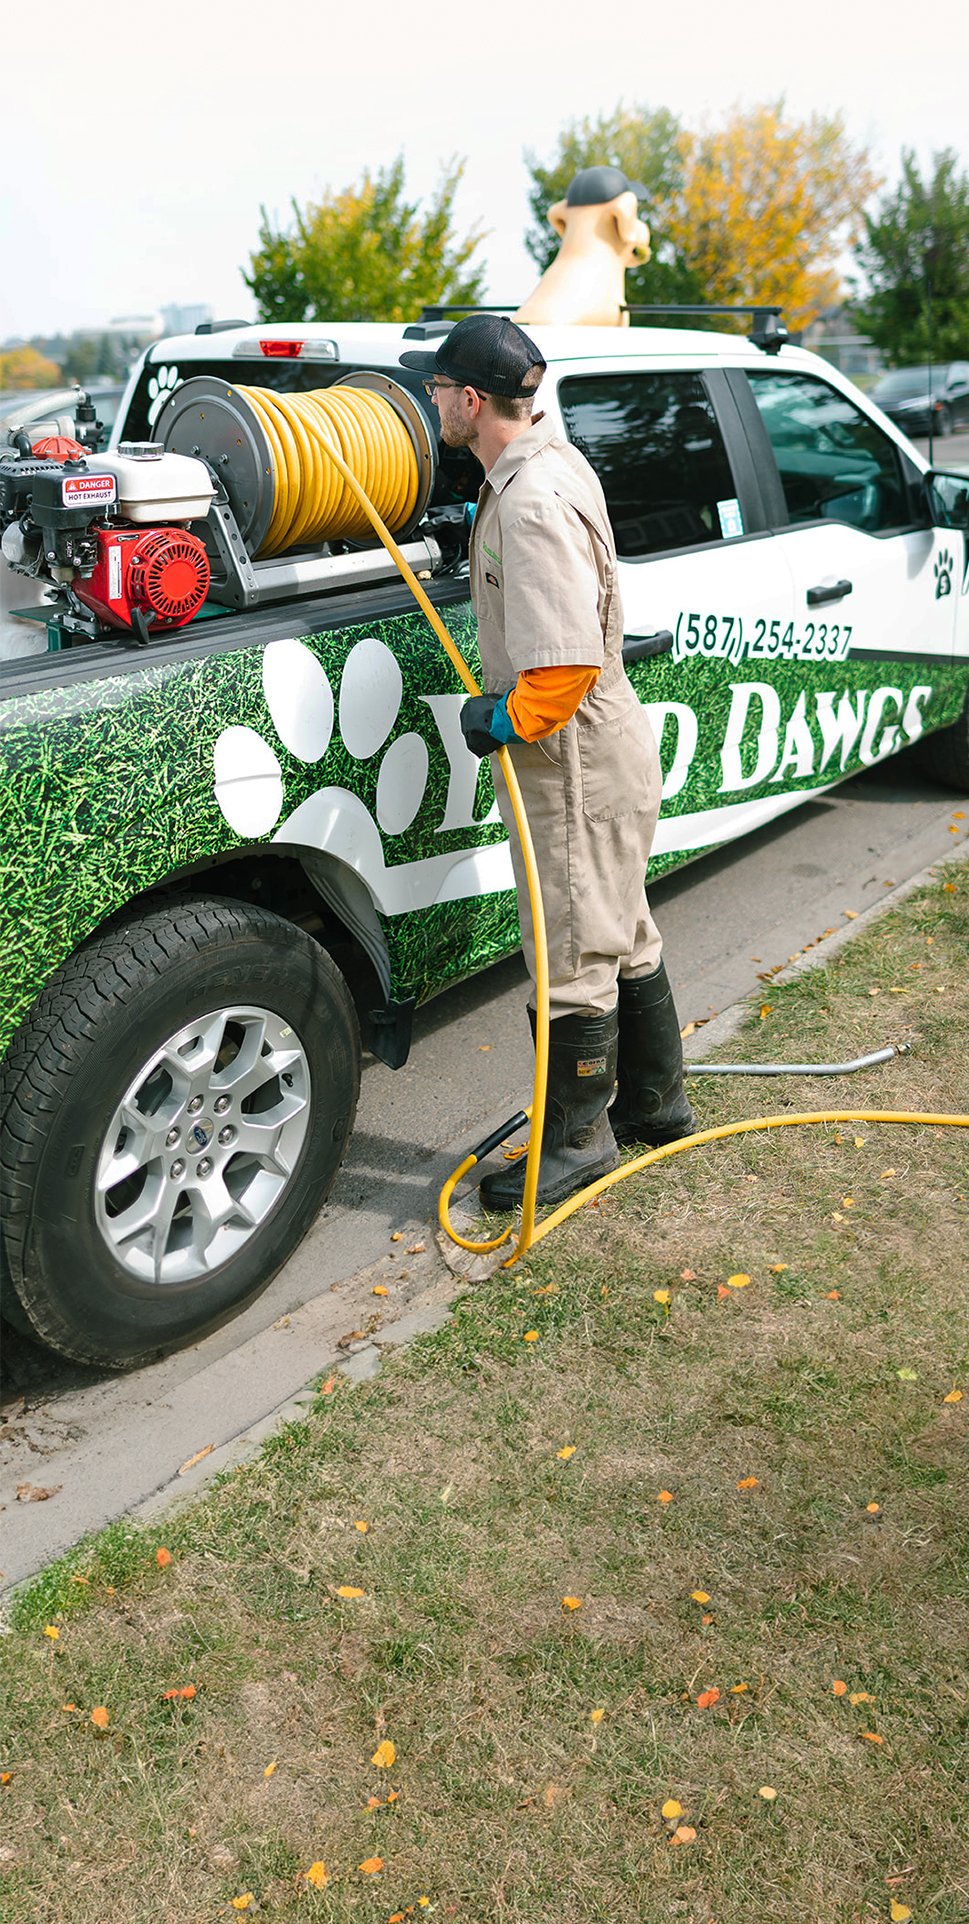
column 429, row 386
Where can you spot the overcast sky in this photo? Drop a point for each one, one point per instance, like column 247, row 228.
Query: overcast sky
column 139, row 142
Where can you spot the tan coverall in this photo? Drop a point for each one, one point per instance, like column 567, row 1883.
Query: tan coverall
column 544, row 588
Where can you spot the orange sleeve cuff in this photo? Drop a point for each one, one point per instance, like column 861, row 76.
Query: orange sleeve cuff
column 544, row 699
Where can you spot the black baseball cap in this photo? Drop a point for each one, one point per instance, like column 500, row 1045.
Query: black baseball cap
column 595, row 185
column 484, row 351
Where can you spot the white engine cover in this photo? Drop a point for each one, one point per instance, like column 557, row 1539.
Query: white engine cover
column 154, row 486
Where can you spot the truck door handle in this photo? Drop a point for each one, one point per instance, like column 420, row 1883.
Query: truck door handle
column 834, row 591
column 640, row 647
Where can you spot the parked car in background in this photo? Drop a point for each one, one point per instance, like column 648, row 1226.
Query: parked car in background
column 920, row 398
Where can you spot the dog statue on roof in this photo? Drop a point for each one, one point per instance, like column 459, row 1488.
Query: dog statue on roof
column 601, row 236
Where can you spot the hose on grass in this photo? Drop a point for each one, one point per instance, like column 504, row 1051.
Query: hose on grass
column 530, row 1232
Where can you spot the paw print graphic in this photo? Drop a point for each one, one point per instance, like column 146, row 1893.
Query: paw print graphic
column 249, row 784
column 943, row 574
column 160, row 387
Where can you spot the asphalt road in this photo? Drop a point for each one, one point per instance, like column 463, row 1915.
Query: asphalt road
column 107, row 1443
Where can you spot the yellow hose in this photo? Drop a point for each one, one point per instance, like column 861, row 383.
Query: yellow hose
column 337, row 452
column 303, row 431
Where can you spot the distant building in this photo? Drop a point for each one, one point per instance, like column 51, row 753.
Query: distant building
column 835, row 336
column 185, row 319
column 141, row 327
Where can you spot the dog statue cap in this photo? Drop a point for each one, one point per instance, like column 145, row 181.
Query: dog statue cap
column 597, row 184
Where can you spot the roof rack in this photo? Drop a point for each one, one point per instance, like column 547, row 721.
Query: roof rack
column 768, row 331
column 433, row 320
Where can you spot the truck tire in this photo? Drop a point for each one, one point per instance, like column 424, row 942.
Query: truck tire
column 173, row 1113
column 944, row 756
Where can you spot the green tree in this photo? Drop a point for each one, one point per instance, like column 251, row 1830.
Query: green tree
column 366, row 254
column 646, row 144
column 915, row 260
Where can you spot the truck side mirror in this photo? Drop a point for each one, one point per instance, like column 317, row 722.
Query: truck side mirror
column 947, row 499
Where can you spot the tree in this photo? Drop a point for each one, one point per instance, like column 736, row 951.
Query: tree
column 366, row 254
column 767, row 205
column 646, row 144
column 23, row 368
column 915, row 259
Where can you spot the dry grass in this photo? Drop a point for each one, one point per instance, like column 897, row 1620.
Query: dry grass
column 513, row 1805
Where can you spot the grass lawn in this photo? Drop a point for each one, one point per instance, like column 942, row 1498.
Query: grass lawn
column 708, row 1553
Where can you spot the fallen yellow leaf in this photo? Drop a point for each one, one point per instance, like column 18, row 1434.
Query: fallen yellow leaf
column 423, row 1902
column 860, row 1697
column 596, row 1716
column 885, row 1174
column 708, row 1698
column 873, row 1509
column 738, row 1282
column 665, row 1496
column 706, row 1617
column 242, row 1903
column 361, row 1526
column 371, row 1865
column 380, row 1289
column 748, row 1483
column 777, row 1269
column 373, row 1803
column 672, row 1809
column 662, row 1296
column 954, row 1396
column 530, row 1336
column 396, row 1235
column 899, row 1913
column 684, row 1834
column 872, row 1737
column 270, row 1768
column 392, row 1796
column 571, row 1603
column 737, row 1689
column 687, row 1275
column 317, row 1875
column 349, row 1591
column 700, row 1596
column 99, row 1717
column 384, row 1755
column 163, row 1558
column 847, row 1202
column 852, row 914
column 197, row 1458
column 767, row 1792
column 567, row 1451
column 765, row 1009
column 51, row 1631
column 839, row 1687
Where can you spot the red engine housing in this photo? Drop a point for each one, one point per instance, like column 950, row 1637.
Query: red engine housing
column 163, row 572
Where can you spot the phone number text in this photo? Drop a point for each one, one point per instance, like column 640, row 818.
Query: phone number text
column 730, row 638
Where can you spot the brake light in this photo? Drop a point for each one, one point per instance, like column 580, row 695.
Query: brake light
column 281, row 350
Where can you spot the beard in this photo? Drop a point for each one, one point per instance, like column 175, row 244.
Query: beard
column 457, row 434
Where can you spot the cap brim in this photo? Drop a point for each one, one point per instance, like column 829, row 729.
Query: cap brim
column 422, row 362
column 636, row 187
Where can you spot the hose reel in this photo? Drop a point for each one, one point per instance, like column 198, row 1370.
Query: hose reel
column 284, row 495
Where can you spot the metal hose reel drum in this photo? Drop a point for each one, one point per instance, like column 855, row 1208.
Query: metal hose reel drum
column 269, row 452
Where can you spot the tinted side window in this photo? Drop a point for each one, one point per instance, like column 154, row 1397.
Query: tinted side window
column 835, row 464
column 654, row 442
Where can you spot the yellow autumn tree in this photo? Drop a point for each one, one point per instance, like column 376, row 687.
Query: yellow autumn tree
column 766, row 206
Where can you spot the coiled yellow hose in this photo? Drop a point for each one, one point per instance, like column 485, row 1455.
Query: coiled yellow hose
column 528, row 1232
column 314, row 497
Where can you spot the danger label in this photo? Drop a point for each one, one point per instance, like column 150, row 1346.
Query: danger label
column 88, row 490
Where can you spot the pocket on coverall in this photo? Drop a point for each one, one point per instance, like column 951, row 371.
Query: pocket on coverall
column 617, row 762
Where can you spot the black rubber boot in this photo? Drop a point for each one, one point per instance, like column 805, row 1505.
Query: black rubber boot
column 651, row 1105
column 577, row 1142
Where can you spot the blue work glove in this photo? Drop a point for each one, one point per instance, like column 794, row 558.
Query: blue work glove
column 486, row 723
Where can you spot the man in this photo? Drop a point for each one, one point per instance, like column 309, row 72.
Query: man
column 550, row 628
